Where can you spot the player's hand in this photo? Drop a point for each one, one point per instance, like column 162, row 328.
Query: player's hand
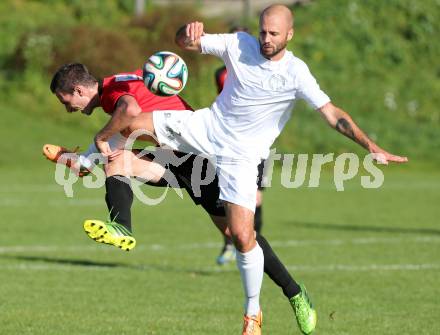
column 384, row 157
column 105, row 149
column 194, row 31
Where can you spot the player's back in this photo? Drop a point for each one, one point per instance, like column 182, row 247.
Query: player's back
column 131, row 83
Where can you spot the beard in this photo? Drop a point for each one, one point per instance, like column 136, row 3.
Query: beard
column 275, row 50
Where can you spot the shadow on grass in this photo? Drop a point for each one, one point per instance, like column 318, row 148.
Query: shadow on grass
column 374, row 229
column 110, row 265
column 66, row 261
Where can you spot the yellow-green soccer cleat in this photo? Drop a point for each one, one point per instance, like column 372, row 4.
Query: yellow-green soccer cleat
column 110, row 233
column 305, row 314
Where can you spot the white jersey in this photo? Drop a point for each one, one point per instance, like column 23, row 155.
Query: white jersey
column 258, row 95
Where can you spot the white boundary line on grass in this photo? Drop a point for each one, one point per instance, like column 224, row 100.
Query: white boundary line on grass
column 216, row 245
column 346, row 267
column 366, row 267
column 300, row 243
column 297, row 268
column 78, row 202
column 390, row 184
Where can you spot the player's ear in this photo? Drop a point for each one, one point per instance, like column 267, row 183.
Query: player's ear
column 290, row 34
column 79, row 90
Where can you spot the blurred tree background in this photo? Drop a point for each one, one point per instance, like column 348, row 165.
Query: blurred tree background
column 376, row 59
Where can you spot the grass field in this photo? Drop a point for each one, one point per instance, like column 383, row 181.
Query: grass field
column 370, row 259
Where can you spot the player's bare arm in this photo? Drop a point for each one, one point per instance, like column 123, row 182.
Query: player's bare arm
column 143, row 123
column 188, row 36
column 343, row 123
column 127, row 109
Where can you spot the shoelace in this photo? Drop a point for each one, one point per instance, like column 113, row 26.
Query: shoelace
column 109, row 218
column 117, row 228
column 250, row 322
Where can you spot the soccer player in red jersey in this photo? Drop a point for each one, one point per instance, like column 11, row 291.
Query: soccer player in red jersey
column 123, row 96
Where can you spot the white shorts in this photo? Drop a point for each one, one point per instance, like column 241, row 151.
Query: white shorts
column 189, row 131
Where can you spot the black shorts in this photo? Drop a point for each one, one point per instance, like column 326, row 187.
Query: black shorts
column 260, row 175
column 209, row 194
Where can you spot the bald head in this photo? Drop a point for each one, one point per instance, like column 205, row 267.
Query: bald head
column 276, row 30
column 280, row 12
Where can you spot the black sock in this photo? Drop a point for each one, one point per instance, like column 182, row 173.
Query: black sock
column 258, row 219
column 276, row 270
column 227, row 241
column 119, row 198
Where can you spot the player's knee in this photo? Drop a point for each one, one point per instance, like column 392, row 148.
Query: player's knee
column 244, row 240
column 241, row 224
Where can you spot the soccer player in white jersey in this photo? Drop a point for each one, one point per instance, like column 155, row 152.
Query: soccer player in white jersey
column 264, row 80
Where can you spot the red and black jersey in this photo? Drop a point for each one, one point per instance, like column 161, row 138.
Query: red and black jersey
column 220, row 77
column 131, row 83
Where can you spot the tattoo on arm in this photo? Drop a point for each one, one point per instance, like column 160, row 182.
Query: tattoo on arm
column 121, row 105
column 116, row 122
column 344, row 127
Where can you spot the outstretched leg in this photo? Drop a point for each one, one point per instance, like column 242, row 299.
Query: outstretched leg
column 119, row 198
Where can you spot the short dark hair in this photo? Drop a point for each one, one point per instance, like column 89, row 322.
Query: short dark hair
column 70, row 75
column 235, row 29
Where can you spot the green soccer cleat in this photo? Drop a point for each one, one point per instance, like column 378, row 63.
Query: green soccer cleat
column 110, row 233
column 305, row 314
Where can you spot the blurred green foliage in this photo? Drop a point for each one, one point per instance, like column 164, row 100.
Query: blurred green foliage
column 376, row 59
column 379, row 61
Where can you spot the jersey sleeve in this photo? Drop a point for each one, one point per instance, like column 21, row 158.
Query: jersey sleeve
column 309, row 90
column 215, row 44
column 114, row 97
column 111, row 97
